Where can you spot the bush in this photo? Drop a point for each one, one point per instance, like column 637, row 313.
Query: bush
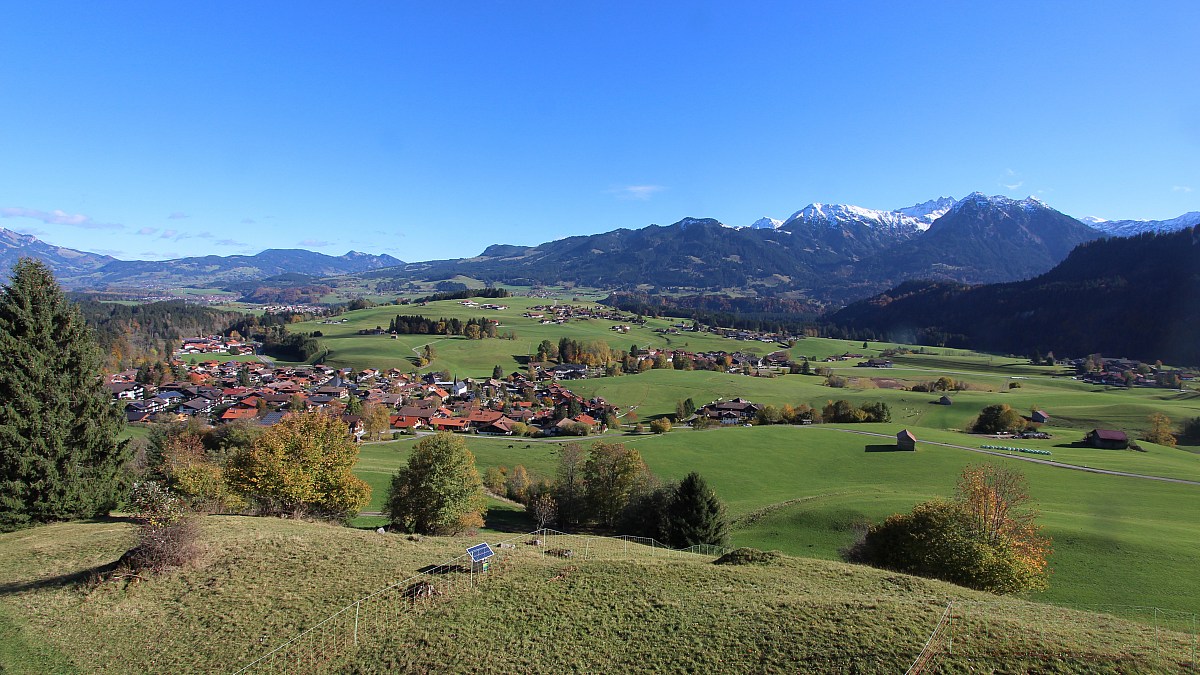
column 660, row 426
column 982, row 540
column 748, row 556
column 167, row 536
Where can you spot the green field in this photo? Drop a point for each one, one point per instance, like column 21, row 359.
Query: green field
column 806, row 490
column 220, row 358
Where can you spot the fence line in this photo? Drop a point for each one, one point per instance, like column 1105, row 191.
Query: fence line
column 324, row 645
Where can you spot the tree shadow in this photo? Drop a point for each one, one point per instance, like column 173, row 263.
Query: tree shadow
column 508, row 520
column 59, row 581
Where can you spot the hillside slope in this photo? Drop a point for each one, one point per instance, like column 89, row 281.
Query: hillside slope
column 263, row 581
column 1137, row 297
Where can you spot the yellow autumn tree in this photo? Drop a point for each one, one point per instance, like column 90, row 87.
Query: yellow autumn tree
column 302, row 466
column 986, row 538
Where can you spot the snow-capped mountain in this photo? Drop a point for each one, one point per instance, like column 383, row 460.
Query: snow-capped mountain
column 839, row 216
column 766, row 223
column 1129, row 228
column 928, row 211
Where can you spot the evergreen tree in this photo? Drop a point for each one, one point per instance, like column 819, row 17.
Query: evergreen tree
column 696, row 515
column 59, row 453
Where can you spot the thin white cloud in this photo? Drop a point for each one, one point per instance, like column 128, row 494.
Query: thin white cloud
column 247, row 221
column 168, row 234
column 31, row 231
column 228, row 242
column 640, row 193
column 1180, row 188
column 57, row 217
column 177, row 215
column 317, row 243
column 147, row 231
column 1014, row 186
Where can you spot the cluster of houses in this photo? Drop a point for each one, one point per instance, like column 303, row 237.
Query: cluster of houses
column 560, row 314
column 215, row 344
column 1131, row 373
column 483, row 305
column 228, row 391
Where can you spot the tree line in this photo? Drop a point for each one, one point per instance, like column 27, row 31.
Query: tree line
column 473, row 329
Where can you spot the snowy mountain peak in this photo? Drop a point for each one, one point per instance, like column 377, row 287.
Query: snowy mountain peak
column 928, row 211
column 1130, row 228
column 766, row 223
column 838, row 216
column 998, row 201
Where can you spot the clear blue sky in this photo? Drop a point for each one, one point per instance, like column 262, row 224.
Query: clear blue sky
column 430, row 130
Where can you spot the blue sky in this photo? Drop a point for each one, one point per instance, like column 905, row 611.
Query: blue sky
column 431, row 130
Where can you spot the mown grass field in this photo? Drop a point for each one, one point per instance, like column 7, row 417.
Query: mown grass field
column 263, row 580
column 807, row 490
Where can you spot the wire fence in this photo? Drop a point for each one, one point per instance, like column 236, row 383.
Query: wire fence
column 978, row 634
column 328, row 645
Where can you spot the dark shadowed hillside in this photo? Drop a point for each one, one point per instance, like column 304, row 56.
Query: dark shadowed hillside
column 1136, row 297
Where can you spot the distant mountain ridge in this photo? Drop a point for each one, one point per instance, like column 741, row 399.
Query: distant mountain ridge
column 1130, row 228
column 77, row 269
column 831, row 254
column 828, row 254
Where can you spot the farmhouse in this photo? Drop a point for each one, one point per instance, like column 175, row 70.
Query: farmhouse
column 1107, row 439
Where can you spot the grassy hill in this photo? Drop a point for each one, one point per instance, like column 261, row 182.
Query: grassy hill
column 261, row 581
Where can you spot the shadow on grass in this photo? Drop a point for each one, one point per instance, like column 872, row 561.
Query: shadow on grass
column 508, row 520
column 885, row 448
column 60, row 581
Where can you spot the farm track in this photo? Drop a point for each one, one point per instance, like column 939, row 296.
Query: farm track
column 1047, row 462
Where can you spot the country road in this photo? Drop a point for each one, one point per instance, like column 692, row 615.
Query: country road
column 1047, row 462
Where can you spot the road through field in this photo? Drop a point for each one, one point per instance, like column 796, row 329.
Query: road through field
column 1047, row 462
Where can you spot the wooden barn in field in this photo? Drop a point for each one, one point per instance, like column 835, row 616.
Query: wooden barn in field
column 1040, row 417
column 906, row 441
column 1108, row 439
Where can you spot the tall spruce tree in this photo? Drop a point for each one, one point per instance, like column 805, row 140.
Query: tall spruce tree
column 695, row 515
column 59, row 454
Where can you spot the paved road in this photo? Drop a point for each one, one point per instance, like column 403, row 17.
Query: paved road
column 1047, row 462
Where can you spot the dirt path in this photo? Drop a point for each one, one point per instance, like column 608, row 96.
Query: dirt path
column 1047, row 462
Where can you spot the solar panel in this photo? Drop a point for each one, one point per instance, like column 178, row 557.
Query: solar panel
column 480, row 552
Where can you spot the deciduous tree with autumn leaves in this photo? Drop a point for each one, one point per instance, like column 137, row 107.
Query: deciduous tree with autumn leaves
column 985, row 538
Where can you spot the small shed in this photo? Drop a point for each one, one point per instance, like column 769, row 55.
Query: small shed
column 1040, row 416
column 906, row 441
column 945, row 400
column 1108, row 439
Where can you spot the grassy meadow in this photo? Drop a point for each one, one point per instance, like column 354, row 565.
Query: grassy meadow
column 261, row 581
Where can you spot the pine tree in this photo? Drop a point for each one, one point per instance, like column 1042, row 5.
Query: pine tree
column 59, row 453
column 695, row 515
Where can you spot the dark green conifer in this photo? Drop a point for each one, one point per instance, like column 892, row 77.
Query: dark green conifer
column 59, row 454
column 696, row 515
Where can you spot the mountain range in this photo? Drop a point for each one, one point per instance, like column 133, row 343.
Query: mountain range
column 829, row 254
column 77, row 269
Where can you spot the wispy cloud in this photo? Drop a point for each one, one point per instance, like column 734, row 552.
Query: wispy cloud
column 640, row 193
column 228, row 242
column 31, row 231
column 57, row 217
column 1180, row 188
column 145, row 231
column 168, row 234
column 1014, row 186
column 248, row 221
column 109, row 251
column 177, row 215
column 316, row 243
